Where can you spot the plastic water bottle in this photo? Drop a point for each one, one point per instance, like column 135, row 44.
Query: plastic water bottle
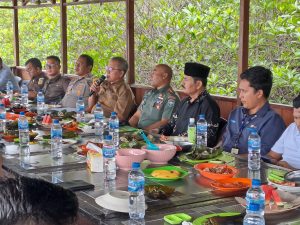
column 109, row 163
column 192, row 131
column 201, row 132
column 56, row 140
column 2, row 119
column 10, row 90
column 253, row 217
column 80, row 109
column 98, row 113
column 40, row 102
column 23, row 134
column 136, row 183
column 255, row 195
column 114, row 129
column 24, row 95
column 254, row 145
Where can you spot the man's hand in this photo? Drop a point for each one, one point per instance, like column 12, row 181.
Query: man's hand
column 95, row 88
column 285, row 165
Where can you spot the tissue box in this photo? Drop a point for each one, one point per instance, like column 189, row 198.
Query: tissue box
column 94, row 161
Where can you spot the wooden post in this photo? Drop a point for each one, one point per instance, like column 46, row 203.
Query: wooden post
column 63, row 38
column 16, row 34
column 130, row 40
column 243, row 38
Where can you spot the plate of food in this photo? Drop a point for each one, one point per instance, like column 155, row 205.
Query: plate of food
column 216, row 171
column 165, row 173
column 217, row 218
column 157, row 191
column 223, row 157
column 232, row 184
column 276, row 201
column 278, row 179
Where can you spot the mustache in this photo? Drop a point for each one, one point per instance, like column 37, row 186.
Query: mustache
column 182, row 86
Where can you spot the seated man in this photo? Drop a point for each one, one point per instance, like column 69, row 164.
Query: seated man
column 38, row 77
column 5, row 76
column 286, row 152
column 33, row 201
column 56, row 85
column 198, row 102
column 254, row 87
column 158, row 104
column 114, row 94
column 80, row 86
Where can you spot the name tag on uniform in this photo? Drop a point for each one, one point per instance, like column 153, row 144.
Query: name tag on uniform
column 234, row 151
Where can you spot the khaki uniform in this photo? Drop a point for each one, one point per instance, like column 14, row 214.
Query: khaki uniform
column 117, row 97
column 79, row 86
column 157, row 104
column 55, row 89
column 37, row 83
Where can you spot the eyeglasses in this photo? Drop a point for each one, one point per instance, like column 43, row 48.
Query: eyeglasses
column 109, row 69
column 50, row 66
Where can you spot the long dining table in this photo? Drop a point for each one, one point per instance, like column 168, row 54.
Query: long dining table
column 193, row 194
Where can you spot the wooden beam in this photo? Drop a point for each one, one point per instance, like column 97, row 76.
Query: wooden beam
column 36, row 6
column 91, row 2
column 130, row 40
column 16, row 34
column 63, row 37
column 243, row 38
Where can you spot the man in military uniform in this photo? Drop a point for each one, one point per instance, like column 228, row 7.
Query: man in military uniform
column 56, row 85
column 38, row 77
column 158, row 104
column 80, row 86
column 114, row 94
column 198, row 102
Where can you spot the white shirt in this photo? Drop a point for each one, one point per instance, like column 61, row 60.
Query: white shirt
column 288, row 145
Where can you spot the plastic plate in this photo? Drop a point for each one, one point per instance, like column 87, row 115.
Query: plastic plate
column 201, row 220
column 148, row 172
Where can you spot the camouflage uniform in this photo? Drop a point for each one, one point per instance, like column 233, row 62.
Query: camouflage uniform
column 157, row 104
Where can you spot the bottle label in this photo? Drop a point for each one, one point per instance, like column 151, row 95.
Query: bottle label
column 56, row 133
column 80, row 108
column 23, row 125
column 256, row 200
column 253, row 145
column 40, row 99
column 114, row 125
column 2, row 116
column 192, row 134
column 109, row 152
column 201, row 128
column 136, row 186
column 98, row 116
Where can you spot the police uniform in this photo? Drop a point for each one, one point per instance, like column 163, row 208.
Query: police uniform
column 157, row 104
column 79, row 86
column 37, row 83
column 55, row 89
column 204, row 104
column 117, row 97
column 268, row 123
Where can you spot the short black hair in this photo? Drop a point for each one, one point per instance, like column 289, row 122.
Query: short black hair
column 122, row 62
column 260, row 78
column 89, row 60
column 35, row 200
column 35, row 62
column 55, row 58
column 296, row 102
column 202, row 79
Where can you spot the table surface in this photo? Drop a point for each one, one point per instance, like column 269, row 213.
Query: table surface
column 192, row 195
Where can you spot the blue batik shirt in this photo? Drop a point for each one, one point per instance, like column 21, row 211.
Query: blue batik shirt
column 268, row 123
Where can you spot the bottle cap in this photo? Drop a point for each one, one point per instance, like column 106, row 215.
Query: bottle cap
column 201, row 116
column 255, row 182
column 1, row 105
column 192, row 120
column 108, row 137
column 253, row 207
column 56, row 121
column 80, row 98
column 22, row 113
column 113, row 114
column 136, row 165
column 98, row 105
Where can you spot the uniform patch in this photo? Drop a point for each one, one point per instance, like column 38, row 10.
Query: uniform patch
column 171, row 102
column 40, row 81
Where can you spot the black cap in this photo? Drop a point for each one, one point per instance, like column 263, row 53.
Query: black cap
column 296, row 102
column 196, row 70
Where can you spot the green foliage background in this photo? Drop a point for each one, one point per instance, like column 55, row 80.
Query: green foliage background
column 172, row 32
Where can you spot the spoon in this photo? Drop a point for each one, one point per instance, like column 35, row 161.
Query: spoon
column 150, row 145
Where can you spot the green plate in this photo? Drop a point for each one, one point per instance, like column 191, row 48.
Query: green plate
column 202, row 219
column 124, row 129
column 223, row 157
column 148, row 172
